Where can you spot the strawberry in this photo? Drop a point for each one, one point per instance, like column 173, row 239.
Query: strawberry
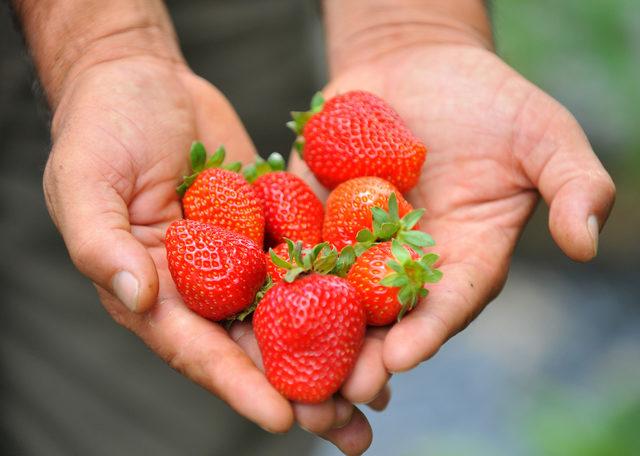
column 221, row 196
column 309, row 332
column 360, row 204
column 389, row 279
column 291, row 209
column 216, row 271
column 283, row 250
column 357, row 134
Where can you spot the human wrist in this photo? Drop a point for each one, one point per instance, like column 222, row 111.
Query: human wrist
column 361, row 31
column 66, row 38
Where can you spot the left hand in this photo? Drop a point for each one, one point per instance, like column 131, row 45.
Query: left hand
column 495, row 142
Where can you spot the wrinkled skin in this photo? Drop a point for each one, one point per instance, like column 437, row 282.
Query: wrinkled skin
column 121, row 134
column 494, row 141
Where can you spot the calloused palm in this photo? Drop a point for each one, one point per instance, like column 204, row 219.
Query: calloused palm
column 121, row 132
column 495, row 142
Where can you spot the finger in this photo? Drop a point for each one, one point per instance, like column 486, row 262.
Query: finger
column 93, row 219
column 354, row 438
column 558, row 159
column 382, row 400
column 316, row 418
column 299, row 167
column 474, row 263
column 369, row 375
column 203, row 351
column 344, row 411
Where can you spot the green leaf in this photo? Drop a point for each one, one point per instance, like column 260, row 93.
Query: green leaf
column 401, row 253
column 395, row 280
column 233, row 166
column 345, row 260
column 429, row 259
column 307, row 260
column 182, row 189
column 291, row 246
column 197, row 156
column 434, row 276
column 186, row 183
column 250, row 173
column 325, row 264
column 317, row 102
column 291, row 274
column 276, row 162
column 318, row 248
column 262, row 167
column 365, row 235
column 217, row 158
column 410, row 303
column 395, row 266
column 297, row 254
column 293, row 126
column 380, row 215
column 416, row 238
column 393, row 206
column 412, row 218
column 275, row 259
column 362, row 247
column 406, row 296
column 386, row 231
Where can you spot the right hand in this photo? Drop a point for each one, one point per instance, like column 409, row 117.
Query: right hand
column 121, row 131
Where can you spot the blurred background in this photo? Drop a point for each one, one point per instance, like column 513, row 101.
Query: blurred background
column 552, row 367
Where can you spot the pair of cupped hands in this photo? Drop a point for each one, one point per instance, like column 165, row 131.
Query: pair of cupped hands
column 495, row 142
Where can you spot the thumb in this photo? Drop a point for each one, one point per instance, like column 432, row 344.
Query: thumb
column 573, row 182
column 93, row 219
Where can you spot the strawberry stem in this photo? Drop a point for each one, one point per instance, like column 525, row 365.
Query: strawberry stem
column 410, row 276
column 388, row 225
column 199, row 162
column 321, row 259
column 300, row 119
column 275, row 162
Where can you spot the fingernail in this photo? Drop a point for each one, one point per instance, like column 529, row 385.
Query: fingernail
column 594, row 230
column 125, row 287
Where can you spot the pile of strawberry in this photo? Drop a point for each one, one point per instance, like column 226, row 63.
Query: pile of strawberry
column 328, row 271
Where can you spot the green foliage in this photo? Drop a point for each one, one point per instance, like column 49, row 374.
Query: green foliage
column 199, row 162
column 585, row 54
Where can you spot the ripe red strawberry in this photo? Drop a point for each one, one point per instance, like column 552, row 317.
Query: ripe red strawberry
column 221, row 196
column 276, row 272
column 291, row 209
column 357, row 134
column 217, row 272
column 390, row 279
column 310, row 332
column 349, row 209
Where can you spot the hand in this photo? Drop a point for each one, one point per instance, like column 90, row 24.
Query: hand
column 121, row 132
column 495, row 141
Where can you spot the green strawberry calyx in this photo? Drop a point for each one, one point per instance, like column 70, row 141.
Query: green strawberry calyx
column 388, row 225
column 275, row 162
column 321, row 259
column 410, row 276
column 199, row 162
column 300, row 119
